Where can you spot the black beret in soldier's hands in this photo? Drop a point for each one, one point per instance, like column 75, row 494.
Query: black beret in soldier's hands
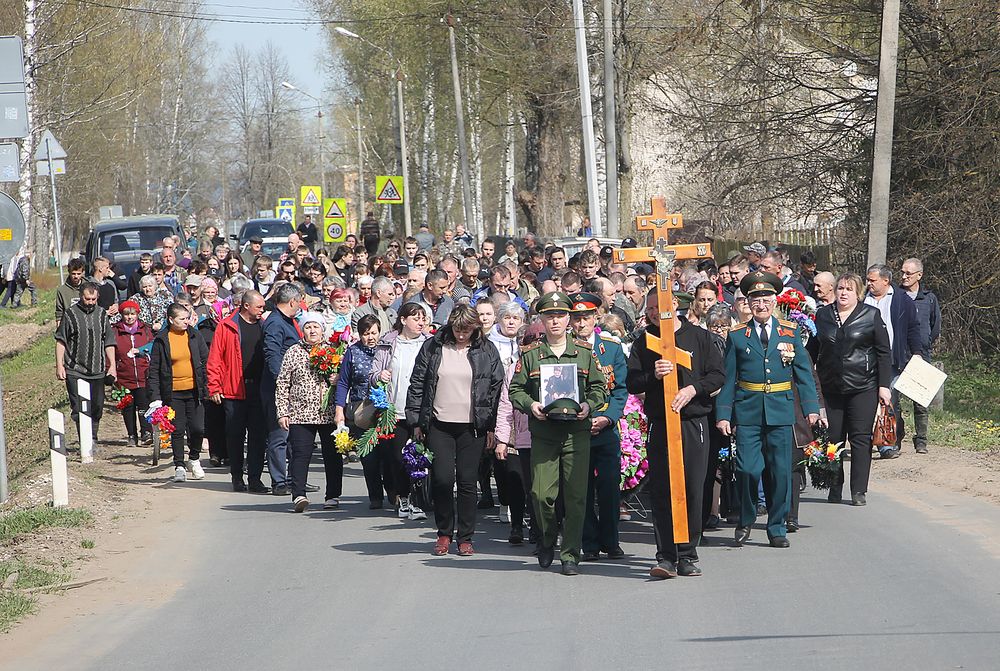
column 584, row 302
column 554, row 301
column 761, row 283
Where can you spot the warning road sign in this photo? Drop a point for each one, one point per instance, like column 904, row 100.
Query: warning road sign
column 334, row 219
column 389, row 189
column 311, row 196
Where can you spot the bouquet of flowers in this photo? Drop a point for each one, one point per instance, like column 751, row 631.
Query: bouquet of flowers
column 823, row 462
column 121, row 396
column 634, row 430
column 727, row 460
column 161, row 416
column 796, row 307
column 325, row 359
column 342, row 440
column 384, row 426
column 417, row 460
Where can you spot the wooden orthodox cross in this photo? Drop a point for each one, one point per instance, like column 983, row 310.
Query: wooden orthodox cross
column 664, row 254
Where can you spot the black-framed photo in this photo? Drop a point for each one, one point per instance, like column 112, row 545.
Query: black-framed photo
column 558, row 380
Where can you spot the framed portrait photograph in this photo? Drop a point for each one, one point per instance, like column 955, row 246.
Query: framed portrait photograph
column 558, row 380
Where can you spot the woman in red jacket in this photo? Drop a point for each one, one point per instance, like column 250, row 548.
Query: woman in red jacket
column 132, row 366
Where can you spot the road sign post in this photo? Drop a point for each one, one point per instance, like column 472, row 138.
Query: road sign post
column 311, row 199
column 86, row 422
column 286, row 210
column 48, row 154
column 334, row 219
column 4, row 491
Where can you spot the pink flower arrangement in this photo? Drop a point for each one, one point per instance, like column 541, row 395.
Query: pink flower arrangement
column 634, row 430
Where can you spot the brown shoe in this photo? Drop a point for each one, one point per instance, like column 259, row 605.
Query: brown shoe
column 465, row 549
column 441, row 546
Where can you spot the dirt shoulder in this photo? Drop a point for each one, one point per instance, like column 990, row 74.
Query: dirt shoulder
column 963, row 471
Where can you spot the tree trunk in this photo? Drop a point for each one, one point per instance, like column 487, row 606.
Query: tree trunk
column 545, row 176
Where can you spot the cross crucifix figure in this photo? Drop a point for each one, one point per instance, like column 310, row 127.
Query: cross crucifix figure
column 664, row 254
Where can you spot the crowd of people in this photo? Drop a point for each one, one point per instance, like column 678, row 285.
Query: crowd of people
column 511, row 363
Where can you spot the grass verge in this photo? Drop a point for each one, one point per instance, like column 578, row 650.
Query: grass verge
column 15, row 605
column 27, row 521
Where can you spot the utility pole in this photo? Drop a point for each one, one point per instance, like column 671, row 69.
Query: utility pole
column 463, row 151
column 878, row 219
column 322, row 161
column 587, row 114
column 55, row 210
column 610, row 122
column 407, row 222
column 361, row 161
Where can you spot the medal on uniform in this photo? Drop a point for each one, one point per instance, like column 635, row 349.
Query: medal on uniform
column 787, row 352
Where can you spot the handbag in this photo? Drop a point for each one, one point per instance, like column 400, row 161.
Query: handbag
column 884, row 431
column 360, row 414
column 420, row 492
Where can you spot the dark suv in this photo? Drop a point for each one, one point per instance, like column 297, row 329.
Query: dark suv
column 265, row 228
column 123, row 240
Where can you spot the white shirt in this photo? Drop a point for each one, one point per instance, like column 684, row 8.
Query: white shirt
column 883, row 304
column 764, row 328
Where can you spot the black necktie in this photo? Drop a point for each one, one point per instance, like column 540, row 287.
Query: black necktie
column 763, row 335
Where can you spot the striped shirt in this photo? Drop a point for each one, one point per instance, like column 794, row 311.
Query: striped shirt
column 85, row 336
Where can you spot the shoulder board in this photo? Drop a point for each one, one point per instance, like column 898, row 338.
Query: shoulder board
column 582, row 343
column 610, row 337
column 528, row 348
column 738, row 327
column 787, row 324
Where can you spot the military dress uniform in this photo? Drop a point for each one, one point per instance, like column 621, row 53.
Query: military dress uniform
column 758, row 401
column 558, row 448
column 600, row 527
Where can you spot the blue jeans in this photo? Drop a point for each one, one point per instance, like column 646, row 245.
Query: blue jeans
column 277, row 439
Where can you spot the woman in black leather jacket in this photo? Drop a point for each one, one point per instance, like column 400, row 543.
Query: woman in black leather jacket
column 452, row 404
column 855, row 370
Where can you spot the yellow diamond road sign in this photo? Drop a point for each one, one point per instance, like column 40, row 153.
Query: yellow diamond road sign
column 334, row 219
column 389, row 189
column 311, row 196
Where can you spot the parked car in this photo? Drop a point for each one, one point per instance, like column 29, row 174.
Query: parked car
column 272, row 248
column 265, row 228
column 125, row 239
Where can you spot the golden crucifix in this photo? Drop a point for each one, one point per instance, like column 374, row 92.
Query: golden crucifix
column 664, row 254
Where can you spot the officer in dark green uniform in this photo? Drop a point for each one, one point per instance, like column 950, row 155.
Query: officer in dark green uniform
column 558, row 447
column 757, row 403
column 600, row 529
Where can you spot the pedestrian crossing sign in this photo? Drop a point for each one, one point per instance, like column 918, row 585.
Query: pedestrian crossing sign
column 334, row 219
column 389, row 189
column 310, row 196
column 286, row 210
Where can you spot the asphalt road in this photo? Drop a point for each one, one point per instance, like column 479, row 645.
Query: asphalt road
column 912, row 581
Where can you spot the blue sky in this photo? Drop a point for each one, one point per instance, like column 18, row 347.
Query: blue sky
column 302, row 45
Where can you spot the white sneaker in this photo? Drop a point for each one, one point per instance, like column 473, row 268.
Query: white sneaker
column 505, row 514
column 300, row 503
column 416, row 513
column 404, row 507
column 331, row 504
column 197, row 472
column 180, row 475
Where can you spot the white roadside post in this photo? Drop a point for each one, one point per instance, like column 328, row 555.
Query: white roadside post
column 57, row 455
column 86, row 423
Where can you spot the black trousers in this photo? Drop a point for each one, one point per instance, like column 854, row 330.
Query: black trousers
column 694, row 437
column 398, row 480
column 517, row 487
column 133, row 415
column 189, row 423
column 245, row 420
column 371, row 244
column 712, row 475
column 378, row 469
column 215, row 430
column 456, row 452
column 853, row 415
column 301, row 443
column 96, row 410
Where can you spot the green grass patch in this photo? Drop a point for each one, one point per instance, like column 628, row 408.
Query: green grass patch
column 14, row 607
column 30, row 575
column 87, row 544
column 26, row 521
column 44, row 311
